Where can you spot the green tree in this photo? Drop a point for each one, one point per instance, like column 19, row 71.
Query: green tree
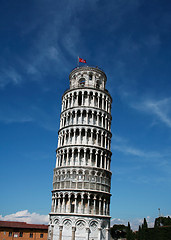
column 145, row 225
column 139, row 233
column 162, row 221
column 118, row 231
column 129, row 235
column 145, row 230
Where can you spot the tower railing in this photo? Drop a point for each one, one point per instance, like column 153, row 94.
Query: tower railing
column 90, row 66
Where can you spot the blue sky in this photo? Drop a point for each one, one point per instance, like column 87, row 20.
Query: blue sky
column 39, row 44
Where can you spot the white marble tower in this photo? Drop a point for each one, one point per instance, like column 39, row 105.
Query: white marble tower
column 82, row 176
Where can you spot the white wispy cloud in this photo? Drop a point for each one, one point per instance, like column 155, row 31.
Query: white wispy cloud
column 129, row 150
column 18, row 114
column 11, row 114
column 54, row 41
column 26, row 216
column 159, row 108
column 122, row 145
column 9, row 75
column 139, row 160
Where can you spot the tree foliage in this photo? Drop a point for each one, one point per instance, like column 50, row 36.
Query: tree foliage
column 118, row 231
column 162, row 221
column 161, row 230
column 122, row 231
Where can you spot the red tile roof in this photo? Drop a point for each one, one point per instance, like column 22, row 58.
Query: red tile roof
column 11, row 224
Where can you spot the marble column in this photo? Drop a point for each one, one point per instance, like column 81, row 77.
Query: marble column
column 73, row 233
column 87, row 233
column 51, row 236
column 60, row 232
column 100, row 230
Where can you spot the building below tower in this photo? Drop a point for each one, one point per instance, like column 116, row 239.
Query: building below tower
column 10, row 230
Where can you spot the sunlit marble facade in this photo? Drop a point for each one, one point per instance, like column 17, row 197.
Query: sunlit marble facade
column 82, row 176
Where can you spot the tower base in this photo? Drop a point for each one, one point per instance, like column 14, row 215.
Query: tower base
column 78, row 227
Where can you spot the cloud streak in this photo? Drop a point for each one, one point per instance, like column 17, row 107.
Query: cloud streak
column 31, row 114
column 160, row 109
column 9, row 75
column 122, row 145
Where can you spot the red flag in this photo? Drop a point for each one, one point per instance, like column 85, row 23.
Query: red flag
column 82, row 60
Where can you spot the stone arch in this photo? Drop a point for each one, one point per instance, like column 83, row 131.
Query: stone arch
column 97, row 205
column 98, row 176
column 78, row 210
column 100, row 101
column 74, row 174
column 98, row 158
column 93, row 157
column 80, row 224
column 80, row 175
column 93, row 225
column 68, row 174
column 87, row 157
column 72, row 203
column 85, row 98
column 86, row 175
column 83, row 136
column 96, row 99
column 82, row 81
column 85, row 202
column 56, row 221
column 90, row 117
column 75, row 98
column 75, row 156
column 81, row 157
column 67, row 223
column 93, row 176
column 84, row 114
column 91, row 203
column 91, row 99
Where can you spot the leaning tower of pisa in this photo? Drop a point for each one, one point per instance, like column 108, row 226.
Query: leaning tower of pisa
column 82, row 176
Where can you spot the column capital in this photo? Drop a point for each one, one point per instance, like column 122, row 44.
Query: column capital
column 60, row 227
column 73, row 228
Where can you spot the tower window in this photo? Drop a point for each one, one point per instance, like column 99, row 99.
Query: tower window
column 90, row 77
column 82, row 82
column 97, row 86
